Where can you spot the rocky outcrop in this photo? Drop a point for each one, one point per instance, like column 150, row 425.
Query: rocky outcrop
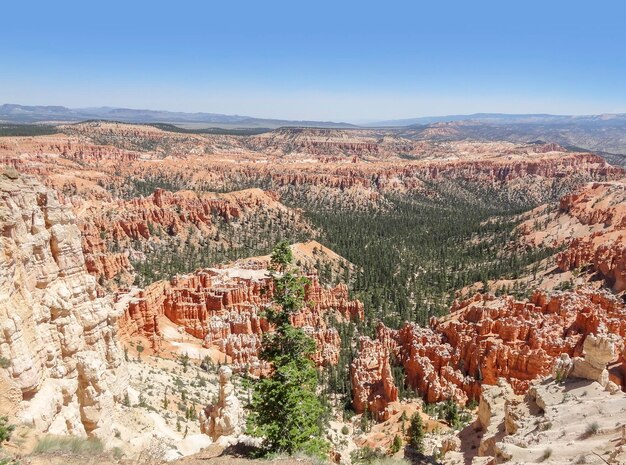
column 373, row 386
column 486, row 338
column 598, row 352
column 569, row 421
column 223, row 308
column 492, row 410
column 65, row 368
column 430, row 363
column 225, row 417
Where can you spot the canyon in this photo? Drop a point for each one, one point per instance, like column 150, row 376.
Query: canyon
column 126, row 248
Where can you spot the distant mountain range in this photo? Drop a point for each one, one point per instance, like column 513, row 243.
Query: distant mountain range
column 504, row 118
column 13, row 113
column 605, row 134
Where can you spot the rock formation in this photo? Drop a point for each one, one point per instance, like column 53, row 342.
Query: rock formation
column 598, row 352
column 65, row 368
column 486, row 338
column 222, row 307
column 601, row 209
column 591, row 223
column 373, row 387
column 113, row 230
column 225, row 417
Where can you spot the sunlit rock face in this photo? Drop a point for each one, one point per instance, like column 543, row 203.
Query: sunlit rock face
column 66, row 368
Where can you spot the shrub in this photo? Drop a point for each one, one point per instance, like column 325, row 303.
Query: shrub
column 5, row 430
column 546, row 454
column 396, row 445
column 592, row 429
column 345, row 430
column 366, row 456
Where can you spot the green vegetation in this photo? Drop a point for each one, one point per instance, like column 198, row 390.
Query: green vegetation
column 285, row 409
column 68, row 444
column 5, row 430
column 367, row 456
column 233, row 239
column 396, row 445
column 26, row 130
column 217, row 131
column 449, row 411
column 414, row 254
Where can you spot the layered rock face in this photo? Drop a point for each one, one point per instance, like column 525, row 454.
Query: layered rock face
column 486, row 338
column 65, row 368
column 332, row 143
column 560, row 423
column 223, row 306
column 354, row 167
column 573, row 417
column 373, row 386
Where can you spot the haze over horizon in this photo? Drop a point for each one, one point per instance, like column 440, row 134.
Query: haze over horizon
column 353, row 62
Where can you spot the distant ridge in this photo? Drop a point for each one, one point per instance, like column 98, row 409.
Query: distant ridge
column 14, row 113
column 502, row 118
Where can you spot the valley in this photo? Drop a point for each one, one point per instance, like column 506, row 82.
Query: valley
column 135, row 270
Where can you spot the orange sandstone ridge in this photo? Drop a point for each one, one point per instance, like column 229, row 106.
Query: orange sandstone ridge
column 591, row 223
column 90, row 157
column 485, row 338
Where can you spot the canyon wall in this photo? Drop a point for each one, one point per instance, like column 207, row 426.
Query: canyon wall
column 600, row 210
column 113, row 231
column 63, row 368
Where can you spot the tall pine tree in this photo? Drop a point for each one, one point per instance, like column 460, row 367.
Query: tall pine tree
column 286, row 410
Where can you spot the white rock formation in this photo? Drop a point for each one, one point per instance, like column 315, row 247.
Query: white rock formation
column 224, row 418
column 65, row 367
column 598, row 351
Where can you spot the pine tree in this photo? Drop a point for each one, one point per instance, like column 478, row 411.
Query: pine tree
column 286, row 410
column 396, row 445
column 416, row 433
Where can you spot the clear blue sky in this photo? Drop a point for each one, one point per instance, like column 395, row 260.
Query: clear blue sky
column 351, row 61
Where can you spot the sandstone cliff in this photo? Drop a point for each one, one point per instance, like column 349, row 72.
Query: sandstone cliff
column 64, row 367
column 373, row 387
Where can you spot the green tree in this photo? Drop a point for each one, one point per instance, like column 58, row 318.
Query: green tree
column 416, row 433
column 396, row 445
column 286, row 410
column 184, row 361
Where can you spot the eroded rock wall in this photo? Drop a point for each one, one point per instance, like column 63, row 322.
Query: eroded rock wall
column 65, row 368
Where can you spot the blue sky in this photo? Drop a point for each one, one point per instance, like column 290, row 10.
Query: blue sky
column 350, row 61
